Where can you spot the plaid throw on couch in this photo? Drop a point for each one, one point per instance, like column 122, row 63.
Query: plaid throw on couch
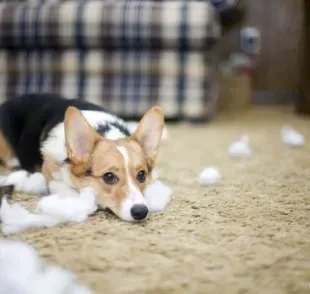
column 124, row 55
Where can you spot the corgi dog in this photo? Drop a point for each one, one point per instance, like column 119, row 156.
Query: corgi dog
column 76, row 144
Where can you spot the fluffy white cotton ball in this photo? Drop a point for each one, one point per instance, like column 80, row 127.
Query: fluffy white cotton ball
column 19, row 263
column 23, row 272
column 71, row 207
column 35, row 184
column 209, row 176
column 157, row 196
column 240, row 148
column 18, row 179
column 291, row 137
column 19, row 258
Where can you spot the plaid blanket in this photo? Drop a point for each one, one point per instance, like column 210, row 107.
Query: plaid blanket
column 124, row 55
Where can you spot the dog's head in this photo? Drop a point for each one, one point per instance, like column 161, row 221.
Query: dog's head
column 119, row 170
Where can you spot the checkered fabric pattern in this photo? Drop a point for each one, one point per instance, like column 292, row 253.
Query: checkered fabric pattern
column 124, row 55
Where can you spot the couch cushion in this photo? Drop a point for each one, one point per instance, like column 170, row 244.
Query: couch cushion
column 125, row 82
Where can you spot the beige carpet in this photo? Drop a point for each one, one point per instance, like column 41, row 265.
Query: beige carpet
column 248, row 234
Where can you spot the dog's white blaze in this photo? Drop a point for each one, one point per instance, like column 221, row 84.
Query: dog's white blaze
column 134, row 193
column 134, row 196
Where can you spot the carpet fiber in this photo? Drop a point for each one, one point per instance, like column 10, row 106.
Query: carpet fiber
column 248, row 234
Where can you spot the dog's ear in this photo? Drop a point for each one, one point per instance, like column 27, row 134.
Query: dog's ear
column 149, row 132
column 80, row 136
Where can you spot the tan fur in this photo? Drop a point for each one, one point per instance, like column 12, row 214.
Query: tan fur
column 91, row 156
column 149, row 132
column 80, row 139
column 6, row 152
column 50, row 167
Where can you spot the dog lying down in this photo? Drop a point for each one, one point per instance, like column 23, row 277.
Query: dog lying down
column 79, row 153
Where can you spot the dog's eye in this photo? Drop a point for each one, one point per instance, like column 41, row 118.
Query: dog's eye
column 141, row 176
column 110, row 178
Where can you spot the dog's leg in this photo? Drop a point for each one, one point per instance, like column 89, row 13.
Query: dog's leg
column 7, row 158
column 27, row 149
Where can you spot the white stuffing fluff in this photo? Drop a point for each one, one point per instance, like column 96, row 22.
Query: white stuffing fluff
column 291, row 137
column 68, row 206
column 23, row 272
column 209, row 176
column 157, row 196
column 240, row 148
column 51, row 210
column 24, row 182
column 17, row 179
column 16, row 218
column 132, row 126
column 71, row 207
column 35, row 184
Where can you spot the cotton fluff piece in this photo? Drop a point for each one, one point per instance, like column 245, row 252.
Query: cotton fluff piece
column 157, row 196
column 69, row 206
column 24, row 182
column 23, row 272
column 240, row 148
column 16, row 218
column 291, row 137
column 51, row 210
column 132, row 126
column 73, row 207
column 209, row 176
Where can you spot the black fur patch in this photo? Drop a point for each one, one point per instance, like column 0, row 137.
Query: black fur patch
column 67, row 160
column 123, row 129
column 27, row 120
column 103, row 129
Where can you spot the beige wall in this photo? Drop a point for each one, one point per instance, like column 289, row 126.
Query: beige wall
column 280, row 22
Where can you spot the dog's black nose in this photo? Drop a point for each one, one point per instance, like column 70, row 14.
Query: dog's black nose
column 139, row 212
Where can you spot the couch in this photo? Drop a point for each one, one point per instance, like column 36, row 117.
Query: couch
column 124, row 55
